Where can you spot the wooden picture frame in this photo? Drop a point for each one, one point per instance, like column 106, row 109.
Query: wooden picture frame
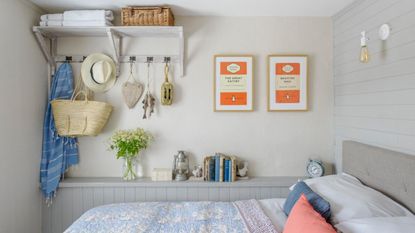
column 233, row 84
column 287, row 83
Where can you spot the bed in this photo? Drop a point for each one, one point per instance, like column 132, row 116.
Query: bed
column 366, row 166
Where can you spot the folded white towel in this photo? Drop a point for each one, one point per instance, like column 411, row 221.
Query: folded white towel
column 83, row 15
column 54, row 17
column 51, row 23
column 90, row 23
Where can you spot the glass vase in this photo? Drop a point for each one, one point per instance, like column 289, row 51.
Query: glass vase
column 132, row 168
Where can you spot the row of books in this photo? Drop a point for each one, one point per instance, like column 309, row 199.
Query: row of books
column 219, row 168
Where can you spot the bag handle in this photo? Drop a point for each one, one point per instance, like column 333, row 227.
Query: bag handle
column 77, row 94
column 68, row 124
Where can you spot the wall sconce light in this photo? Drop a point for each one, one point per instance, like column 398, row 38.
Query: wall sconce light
column 364, row 52
column 384, row 31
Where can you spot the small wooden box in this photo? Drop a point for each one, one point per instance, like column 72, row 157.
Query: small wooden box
column 161, row 174
column 147, row 16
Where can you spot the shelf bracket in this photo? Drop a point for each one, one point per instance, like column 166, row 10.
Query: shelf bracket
column 115, row 41
column 47, row 50
column 181, row 53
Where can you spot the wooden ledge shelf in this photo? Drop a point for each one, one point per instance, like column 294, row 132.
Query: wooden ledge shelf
column 280, row 181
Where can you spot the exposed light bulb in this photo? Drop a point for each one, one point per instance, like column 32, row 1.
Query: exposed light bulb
column 364, row 52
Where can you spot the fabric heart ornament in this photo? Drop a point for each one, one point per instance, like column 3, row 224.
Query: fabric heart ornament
column 132, row 92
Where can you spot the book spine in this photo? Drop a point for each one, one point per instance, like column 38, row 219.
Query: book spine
column 221, row 168
column 226, row 171
column 230, row 170
column 217, row 168
column 212, row 169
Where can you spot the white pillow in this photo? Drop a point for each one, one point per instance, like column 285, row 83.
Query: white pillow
column 378, row 225
column 350, row 199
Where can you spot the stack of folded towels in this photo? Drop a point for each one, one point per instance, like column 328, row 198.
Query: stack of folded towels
column 78, row 18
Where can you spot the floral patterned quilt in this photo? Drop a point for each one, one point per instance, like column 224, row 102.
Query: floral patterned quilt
column 186, row 217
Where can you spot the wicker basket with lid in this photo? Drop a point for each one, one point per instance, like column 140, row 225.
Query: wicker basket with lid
column 147, row 16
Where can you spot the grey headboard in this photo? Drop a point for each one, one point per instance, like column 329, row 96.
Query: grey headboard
column 390, row 172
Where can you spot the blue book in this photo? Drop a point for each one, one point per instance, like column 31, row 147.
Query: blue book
column 217, row 168
column 230, row 171
column 226, row 170
column 212, row 169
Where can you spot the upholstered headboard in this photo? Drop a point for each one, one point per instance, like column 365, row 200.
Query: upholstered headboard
column 390, row 172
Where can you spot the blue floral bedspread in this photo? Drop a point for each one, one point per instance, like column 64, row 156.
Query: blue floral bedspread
column 186, row 217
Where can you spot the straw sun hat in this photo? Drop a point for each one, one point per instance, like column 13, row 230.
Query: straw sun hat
column 98, row 72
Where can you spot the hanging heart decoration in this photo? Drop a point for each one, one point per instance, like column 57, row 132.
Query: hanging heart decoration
column 132, row 92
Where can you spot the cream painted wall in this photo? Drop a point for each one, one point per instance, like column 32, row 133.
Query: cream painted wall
column 22, row 98
column 275, row 144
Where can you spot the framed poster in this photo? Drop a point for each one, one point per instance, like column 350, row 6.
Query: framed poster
column 233, row 83
column 287, row 83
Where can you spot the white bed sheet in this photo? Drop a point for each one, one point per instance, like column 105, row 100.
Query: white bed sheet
column 273, row 208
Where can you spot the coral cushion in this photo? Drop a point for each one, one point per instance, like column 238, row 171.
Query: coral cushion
column 304, row 219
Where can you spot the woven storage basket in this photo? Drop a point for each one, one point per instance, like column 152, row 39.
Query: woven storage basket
column 80, row 117
column 147, row 16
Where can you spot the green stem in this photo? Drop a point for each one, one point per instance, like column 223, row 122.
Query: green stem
column 129, row 173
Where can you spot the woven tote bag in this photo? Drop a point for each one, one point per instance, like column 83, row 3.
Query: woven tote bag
column 80, row 117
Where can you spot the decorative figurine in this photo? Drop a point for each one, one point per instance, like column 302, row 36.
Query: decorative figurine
column 242, row 168
column 198, row 171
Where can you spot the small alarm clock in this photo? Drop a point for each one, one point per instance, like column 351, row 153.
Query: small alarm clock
column 315, row 168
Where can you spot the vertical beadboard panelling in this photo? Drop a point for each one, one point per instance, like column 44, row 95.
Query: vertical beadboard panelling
column 57, row 213
column 87, row 199
column 244, row 193
column 98, row 196
column 140, row 194
column 129, row 194
column 374, row 102
column 67, row 208
column 77, row 202
column 108, row 195
column 193, row 194
column 119, row 194
column 203, row 193
column 214, row 194
column 161, row 194
column 224, row 194
column 171, row 194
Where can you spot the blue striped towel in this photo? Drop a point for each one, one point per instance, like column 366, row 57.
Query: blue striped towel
column 58, row 153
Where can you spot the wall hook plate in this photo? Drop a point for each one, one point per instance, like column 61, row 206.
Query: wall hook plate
column 384, row 31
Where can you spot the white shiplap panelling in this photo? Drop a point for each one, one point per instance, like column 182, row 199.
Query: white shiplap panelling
column 375, row 102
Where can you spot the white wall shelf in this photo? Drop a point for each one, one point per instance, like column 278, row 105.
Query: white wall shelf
column 47, row 38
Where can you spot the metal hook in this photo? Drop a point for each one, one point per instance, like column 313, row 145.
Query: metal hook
column 132, row 61
column 149, row 60
column 167, row 59
column 68, row 59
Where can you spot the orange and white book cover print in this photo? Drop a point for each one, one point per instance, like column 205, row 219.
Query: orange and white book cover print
column 233, row 83
column 287, row 83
